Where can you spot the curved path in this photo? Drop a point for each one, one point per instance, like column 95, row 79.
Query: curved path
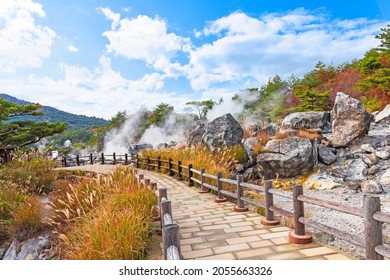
column 212, row 230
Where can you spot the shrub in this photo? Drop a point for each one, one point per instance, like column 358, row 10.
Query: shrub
column 28, row 216
column 16, row 210
column 307, row 134
column 262, row 140
column 31, row 175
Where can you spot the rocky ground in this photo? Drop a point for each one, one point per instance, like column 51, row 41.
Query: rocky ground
column 341, row 221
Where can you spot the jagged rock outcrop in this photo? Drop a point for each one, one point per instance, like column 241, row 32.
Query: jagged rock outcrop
column 350, row 120
column 287, row 157
column 224, row 131
column 307, row 120
column 195, row 136
column 384, row 115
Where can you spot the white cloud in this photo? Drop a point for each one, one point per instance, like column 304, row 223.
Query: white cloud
column 145, row 38
column 72, row 48
column 258, row 48
column 99, row 92
column 114, row 17
column 23, row 43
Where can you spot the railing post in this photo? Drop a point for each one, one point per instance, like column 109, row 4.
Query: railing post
column 220, row 198
column 113, row 158
column 90, row 158
column 269, row 219
column 166, row 208
column 203, row 189
column 147, row 163
column 171, row 237
column 126, row 159
column 190, row 175
column 170, row 167
column 136, row 161
column 77, row 160
column 162, row 192
column 298, row 235
column 102, row 158
column 179, row 169
column 372, row 228
column 65, row 163
column 240, row 193
column 159, row 164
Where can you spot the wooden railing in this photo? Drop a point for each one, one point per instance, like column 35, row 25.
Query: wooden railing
column 370, row 213
column 169, row 230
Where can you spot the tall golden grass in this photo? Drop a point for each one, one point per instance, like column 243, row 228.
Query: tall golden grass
column 217, row 160
column 109, row 218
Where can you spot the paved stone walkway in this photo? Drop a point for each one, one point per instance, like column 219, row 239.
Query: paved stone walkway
column 213, row 231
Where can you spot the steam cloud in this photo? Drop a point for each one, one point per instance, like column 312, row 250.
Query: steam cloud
column 118, row 140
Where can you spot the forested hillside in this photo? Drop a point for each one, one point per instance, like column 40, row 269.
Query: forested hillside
column 54, row 115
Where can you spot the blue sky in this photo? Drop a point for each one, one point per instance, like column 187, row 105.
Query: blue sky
column 99, row 57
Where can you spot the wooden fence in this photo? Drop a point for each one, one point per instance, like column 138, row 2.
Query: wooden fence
column 170, row 231
column 371, row 214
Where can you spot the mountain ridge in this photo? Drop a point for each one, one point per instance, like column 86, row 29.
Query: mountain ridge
column 52, row 114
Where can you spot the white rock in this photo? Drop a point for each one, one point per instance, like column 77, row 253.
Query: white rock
column 385, row 179
column 383, row 154
column 367, row 148
column 383, row 115
column 371, row 187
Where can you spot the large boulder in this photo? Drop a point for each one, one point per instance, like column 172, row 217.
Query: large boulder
column 195, row 136
column 307, row 120
column 350, row 120
column 287, row 157
column 224, row 131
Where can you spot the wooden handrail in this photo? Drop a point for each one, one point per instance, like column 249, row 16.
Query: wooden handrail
column 332, row 205
column 229, row 181
column 210, row 176
column 382, row 217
